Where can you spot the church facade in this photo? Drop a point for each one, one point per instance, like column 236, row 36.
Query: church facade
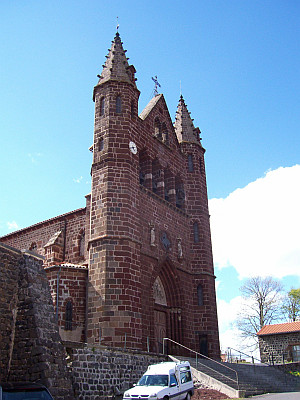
column 135, row 264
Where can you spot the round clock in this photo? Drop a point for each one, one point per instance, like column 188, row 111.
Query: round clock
column 132, row 147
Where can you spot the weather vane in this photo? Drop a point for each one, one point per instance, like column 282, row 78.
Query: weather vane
column 118, row 24
column 156, row 85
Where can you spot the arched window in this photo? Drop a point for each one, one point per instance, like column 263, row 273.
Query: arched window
column 200, row 295
column 164, row 134
column 101, row 144
column 196, row 232
column 102, row 106
column 190, row 163
column 69, row 316
column 142, row 177
column 157, row 178
column 180, row 194
column 82, row 244
column 33, row 246
column 118, row 105
column 168, row 181
column 157, row 128
column 145, row 169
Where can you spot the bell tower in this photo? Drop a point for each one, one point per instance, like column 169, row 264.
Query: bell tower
column 114, row 275
column 205, row 313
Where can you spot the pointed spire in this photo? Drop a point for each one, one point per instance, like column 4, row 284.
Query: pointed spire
column 184, row 126
column 116, row 66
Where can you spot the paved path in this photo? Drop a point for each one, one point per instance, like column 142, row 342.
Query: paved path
column 278, row 396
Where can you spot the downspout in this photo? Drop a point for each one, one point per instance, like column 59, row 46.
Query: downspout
column 65, row 234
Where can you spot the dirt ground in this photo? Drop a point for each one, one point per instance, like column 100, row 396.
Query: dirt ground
column 208, row 394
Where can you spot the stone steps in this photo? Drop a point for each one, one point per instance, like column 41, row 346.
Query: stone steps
column 252, row 379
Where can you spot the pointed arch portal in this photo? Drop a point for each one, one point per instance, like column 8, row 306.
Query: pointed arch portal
column 167, row 307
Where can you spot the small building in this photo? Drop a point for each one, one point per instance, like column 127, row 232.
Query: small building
column 280, row 342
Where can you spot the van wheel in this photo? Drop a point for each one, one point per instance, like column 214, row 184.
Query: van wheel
column 166, row 398
column 188, row 396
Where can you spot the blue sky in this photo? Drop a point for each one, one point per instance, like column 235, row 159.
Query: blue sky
column 238, row 63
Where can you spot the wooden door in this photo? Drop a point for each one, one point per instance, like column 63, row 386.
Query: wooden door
column 160, row 329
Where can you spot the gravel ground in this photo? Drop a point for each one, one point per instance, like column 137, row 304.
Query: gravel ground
column 208, row 394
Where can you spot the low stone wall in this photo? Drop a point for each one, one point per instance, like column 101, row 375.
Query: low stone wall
column 293, row 366
column 100, row 373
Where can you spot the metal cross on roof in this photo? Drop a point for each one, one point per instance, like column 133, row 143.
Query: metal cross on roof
column 156, row 85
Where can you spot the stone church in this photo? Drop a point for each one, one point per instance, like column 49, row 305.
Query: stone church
column 135, row 264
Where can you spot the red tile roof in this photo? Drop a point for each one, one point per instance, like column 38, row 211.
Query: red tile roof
column 280, row 328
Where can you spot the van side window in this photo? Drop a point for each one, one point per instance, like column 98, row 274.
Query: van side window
column 173, row 380
column 185, row 376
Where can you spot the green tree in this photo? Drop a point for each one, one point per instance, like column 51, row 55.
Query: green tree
column 291, row 305
column 261, row 305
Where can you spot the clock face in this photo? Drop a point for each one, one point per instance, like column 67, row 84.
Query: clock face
column 132, row 147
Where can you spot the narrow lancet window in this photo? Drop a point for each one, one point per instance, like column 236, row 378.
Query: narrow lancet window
column 69, row 316
column 200, row 295
column 118, row 105
column 101, row 144
column 102, row 106
column 196, row 232
column 190, row 163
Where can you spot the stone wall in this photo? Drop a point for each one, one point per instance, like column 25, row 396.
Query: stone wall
column 273, row 348
column 100, row 373
column 9, row 262
column 30, row 345
column 291, row 366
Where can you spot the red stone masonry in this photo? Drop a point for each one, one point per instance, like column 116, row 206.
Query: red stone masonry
column 140, row 252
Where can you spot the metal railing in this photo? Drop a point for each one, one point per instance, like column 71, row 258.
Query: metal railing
column 231, row 358
column 236, row 380
column 276, row 358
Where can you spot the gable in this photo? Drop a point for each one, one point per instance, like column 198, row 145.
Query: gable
column 157, row 116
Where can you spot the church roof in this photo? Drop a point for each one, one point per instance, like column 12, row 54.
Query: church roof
column 184, row 126
column 116, row 66
column 20, row 231
column 287, row 327
column 146, row 111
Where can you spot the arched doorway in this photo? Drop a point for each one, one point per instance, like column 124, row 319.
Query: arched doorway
column 167, row 308
column 160, row 314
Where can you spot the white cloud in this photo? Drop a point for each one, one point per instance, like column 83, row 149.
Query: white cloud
column 77, row 180
column 34, row 157
column 12, row 226
column 256, row 228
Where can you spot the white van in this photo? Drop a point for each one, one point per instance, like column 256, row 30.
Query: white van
column 164, row 381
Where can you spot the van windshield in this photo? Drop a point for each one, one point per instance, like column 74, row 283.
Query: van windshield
column 153, row 380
